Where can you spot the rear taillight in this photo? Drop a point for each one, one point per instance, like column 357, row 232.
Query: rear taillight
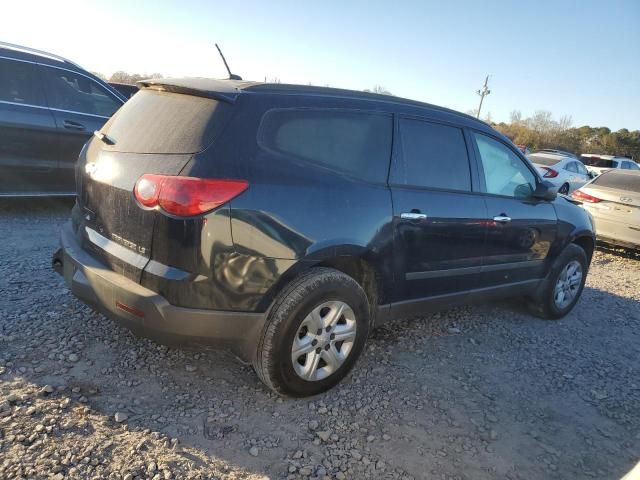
column 185, row 196
column 585, row 197
column 549, row 172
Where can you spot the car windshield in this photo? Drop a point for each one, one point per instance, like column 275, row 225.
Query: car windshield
column 619, row 180
column 540, row 160
column 599, row 162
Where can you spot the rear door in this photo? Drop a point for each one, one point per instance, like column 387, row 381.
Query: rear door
column 27, row 131
column 521, row 229
column 80, row 106
column 574, row 177
column 582, row 174
column 439, row 221
column 154, row 132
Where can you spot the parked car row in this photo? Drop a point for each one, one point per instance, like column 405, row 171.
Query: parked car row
column 568, row 172
column 607, row 186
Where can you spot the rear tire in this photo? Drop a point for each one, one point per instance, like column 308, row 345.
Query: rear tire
column 561, row 289
column 564, row 189
column 324, row 306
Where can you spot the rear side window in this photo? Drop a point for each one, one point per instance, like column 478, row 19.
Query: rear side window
column 19, row 83
column 76, row 93
column 433, row 156
column 629, row 181
column 161, row 122
column 571, row 167
column 356, row 143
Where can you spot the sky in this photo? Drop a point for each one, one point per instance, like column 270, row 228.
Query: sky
column 577, row 58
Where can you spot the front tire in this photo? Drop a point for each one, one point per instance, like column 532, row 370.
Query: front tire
column 315, row 332
column 561, row 289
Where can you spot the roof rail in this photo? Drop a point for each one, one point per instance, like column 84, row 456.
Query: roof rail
column 42, row 53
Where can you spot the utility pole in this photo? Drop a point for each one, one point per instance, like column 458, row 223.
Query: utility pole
column 483, row 92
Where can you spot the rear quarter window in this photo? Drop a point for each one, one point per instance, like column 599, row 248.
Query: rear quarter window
column 353, row 142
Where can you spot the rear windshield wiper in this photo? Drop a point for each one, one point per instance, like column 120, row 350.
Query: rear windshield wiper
column 104, row 137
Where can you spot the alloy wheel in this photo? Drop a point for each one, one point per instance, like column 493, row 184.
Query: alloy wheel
column 568, row 284
column 323, row 341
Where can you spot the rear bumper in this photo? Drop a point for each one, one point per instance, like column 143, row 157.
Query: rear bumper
column 148, row 314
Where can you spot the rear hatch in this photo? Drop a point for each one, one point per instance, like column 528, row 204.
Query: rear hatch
column 154, row 132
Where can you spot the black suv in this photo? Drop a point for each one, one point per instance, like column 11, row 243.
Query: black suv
column 286, row 221
column 49, row 107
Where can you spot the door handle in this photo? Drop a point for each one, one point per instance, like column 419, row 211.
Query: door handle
column 71, row 125
column 502, row 219
column 413, row 216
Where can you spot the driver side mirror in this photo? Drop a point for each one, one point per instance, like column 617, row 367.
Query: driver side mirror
column 591, row 174
column 546, row 191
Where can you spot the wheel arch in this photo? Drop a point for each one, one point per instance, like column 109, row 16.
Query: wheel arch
column 367, row 270
column 587, row 243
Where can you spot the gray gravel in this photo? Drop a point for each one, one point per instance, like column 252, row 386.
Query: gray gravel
column 478, row 392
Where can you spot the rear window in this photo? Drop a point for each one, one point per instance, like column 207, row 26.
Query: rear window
column 599, row 162
column 540, row 160
column 356, row 143
column 162, row 122
column 629, row 181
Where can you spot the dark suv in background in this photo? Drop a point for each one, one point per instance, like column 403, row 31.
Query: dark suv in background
column 287, row 221
column 49, row 107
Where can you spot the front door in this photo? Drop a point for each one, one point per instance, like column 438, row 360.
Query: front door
column 439, row 221
column 80, row 106
column 521, row 228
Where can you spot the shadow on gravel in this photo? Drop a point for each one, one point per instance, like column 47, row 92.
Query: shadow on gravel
column 40, row 206
column 619, row 251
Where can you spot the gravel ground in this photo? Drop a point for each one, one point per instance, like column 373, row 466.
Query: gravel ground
column 473, row 393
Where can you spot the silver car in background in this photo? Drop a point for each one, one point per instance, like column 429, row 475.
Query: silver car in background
column 613, row 199
column 562, row 169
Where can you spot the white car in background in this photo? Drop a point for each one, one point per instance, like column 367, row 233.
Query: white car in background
column 613, row 199
column 564, row 171
column 601, row 163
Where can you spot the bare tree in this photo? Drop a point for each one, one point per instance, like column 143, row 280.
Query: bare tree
column 378, row 89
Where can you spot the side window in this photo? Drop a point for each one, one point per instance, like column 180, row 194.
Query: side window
column 581, row 168
column 633, row 166
column 432, row 155
column 19, row 83
column 504, row 172
column 571, row 167
column 625, row 166
column 356, row 143
column 70, row 91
